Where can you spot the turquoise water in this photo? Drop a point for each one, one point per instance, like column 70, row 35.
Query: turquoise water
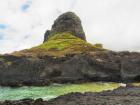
column 49, row 92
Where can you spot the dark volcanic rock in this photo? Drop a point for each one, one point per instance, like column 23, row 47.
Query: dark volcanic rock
column 94, row 66
column 43, row 70
column 46, row 36
column 23, row 102
column 67, row 22
column 130, row 66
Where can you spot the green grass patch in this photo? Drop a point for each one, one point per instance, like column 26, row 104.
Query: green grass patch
column 61, row 44
column 64, row 41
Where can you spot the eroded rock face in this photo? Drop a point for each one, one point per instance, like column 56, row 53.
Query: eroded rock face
column 94, row 66
column 67, row 22
column 46, row 36
column 130, row 66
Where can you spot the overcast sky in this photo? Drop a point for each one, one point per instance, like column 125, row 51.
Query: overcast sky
column 114, row 23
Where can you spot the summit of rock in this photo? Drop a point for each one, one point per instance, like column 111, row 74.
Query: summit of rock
column 67, row 22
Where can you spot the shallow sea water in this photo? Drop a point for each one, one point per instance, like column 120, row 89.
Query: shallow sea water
column 53, row 91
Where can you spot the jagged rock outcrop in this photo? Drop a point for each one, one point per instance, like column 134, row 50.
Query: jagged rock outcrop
column 95, row 66
column 67, row 22
column 47, row 34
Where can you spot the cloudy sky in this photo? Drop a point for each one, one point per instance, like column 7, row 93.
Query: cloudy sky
column 114, row 23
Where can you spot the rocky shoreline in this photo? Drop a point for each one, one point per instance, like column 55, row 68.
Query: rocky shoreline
column 121, row 96
column 94, row 66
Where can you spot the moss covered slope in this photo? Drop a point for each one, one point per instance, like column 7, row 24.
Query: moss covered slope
column 59, row 45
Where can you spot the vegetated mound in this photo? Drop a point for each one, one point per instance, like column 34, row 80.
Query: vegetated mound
column 60, row 44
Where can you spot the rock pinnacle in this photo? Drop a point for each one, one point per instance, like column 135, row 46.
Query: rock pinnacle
column 67, row 22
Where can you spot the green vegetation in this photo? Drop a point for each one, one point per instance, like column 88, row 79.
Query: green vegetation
column 65, row 41
column 99, row 45
column 1, row 59
column 9, row 63
column 59, row 45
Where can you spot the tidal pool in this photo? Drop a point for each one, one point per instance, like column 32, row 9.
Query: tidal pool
column 49, row 92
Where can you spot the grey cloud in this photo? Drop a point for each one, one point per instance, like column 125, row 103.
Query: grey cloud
column 114, row 23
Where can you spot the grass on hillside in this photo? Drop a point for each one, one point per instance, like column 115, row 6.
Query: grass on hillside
column 59, row 45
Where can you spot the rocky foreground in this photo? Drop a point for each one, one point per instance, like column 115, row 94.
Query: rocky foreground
column 121, row 96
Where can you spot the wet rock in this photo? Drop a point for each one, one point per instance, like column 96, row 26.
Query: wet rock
column 38, row 101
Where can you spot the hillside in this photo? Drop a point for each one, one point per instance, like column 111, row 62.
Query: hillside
column 60, row 44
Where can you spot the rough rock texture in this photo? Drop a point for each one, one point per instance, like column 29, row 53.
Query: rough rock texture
column 67, row 22
column 46, row 36
column 130, row 66
column 25, row 102
column 93, row 66
column 120, row 96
